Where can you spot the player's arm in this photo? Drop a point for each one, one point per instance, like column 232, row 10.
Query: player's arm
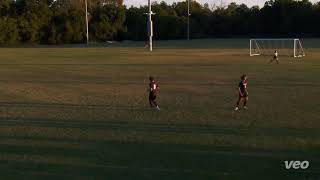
column 149, row 89
column 239, row 89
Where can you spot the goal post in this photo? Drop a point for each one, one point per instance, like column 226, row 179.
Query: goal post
column 285, row 47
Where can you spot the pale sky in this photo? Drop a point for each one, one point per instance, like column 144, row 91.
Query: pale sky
column 218, row 2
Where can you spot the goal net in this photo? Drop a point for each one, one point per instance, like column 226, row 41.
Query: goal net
column 285, row 47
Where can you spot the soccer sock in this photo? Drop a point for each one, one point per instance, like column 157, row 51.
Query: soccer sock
column 155, row 103
column 245, row 102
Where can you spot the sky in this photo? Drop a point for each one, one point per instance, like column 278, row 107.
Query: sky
column 218, row 2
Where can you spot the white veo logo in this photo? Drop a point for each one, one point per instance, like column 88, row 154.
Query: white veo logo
column 296, row 164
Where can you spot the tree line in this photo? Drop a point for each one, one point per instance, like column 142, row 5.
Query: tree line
column 63, row 21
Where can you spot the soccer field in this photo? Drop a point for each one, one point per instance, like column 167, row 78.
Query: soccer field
column 82, row 113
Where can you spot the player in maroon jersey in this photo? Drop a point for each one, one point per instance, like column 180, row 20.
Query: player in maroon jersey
column 153, row 90
column 243, row 92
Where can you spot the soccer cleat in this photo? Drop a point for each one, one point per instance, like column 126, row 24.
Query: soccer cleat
column 158, row 108
column 245, row 107
column 236, row 109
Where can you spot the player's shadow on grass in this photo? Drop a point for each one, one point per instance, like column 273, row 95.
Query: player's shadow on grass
column 72, row 106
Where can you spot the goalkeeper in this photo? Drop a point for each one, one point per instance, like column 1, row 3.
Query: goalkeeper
column 275, row 57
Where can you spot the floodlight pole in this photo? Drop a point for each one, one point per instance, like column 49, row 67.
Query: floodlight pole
column 150, row 25
column 87, row 23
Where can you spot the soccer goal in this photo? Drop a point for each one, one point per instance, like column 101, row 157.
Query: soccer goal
column 285, row 47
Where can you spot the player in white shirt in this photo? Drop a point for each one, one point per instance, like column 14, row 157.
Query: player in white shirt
column 275, row 57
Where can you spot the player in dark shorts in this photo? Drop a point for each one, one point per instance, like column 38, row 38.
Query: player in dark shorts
column 243, row 92
column 275, row 57
column 153, row 90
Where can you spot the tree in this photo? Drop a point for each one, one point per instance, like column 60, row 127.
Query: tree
column 33, row 17
column 68, row 28
column 107, row 22
column 136, row 23
column 5, row 7
column 9, row 30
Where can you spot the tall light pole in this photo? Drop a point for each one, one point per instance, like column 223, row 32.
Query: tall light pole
column 87, row 23
column 188, row 28
column 150, row 25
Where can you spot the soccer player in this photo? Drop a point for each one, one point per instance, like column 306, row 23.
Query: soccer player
column 153, row 90
column 243, row 92
column 275, row 57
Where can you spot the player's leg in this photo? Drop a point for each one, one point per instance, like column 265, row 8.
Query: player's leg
column 156, row 105
column 277, row 60
column 245, row 102
column 151, row 100
column 238, row 102
column 154, row 102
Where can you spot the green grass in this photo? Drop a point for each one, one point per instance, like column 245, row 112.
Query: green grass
column 82, row 113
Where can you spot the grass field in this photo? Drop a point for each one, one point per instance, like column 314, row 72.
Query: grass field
column 82, row 113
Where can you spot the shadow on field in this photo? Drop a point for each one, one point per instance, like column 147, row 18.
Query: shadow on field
column 68, row 106
column 145, row 127
column 55, row 105
column 115, row 160
column 40, row 155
